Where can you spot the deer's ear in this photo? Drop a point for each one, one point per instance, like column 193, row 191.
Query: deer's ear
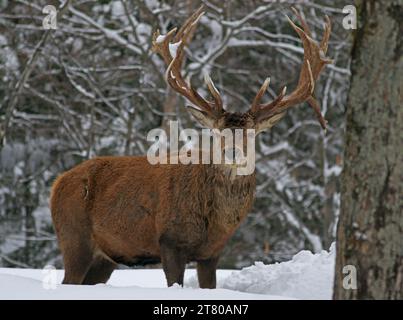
column 268, row 123
column 202, row 117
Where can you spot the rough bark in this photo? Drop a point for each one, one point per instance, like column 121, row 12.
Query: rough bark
column 370, row 230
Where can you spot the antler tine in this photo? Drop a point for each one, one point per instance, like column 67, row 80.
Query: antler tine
column 312, row 51
column 160, row 44
column 270, row 105
column 173, row 55
column 185, row 34
column 324, row 43
column 302, row 21
column 315, row 106
column 256, row 101
column 313, row 62
column 214, row 92
column 326, row 34
column 191, row 21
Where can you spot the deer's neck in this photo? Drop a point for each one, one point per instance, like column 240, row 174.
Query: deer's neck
column 231, row 195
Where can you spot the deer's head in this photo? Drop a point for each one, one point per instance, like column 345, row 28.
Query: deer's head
column 260, row 116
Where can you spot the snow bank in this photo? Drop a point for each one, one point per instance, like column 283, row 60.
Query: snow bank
column 306, row 276
column 24, row 287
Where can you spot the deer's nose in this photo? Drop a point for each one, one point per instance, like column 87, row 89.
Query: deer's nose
column 233, row 154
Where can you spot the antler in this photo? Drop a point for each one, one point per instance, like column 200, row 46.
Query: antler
column 314, row 61
column 171, row 48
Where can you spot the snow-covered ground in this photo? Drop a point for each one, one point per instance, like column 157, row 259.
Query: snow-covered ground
column 306, row 276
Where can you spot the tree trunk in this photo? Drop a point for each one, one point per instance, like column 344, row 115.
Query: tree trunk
column 370, row 229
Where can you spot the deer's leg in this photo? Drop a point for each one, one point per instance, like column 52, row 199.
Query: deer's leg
column 78, row 252
column 206, row 273
column 77, row 261
column 173, row 263
column 100, row 271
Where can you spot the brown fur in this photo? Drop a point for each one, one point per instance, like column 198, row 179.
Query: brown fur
column 124, row 210
column 112, row 210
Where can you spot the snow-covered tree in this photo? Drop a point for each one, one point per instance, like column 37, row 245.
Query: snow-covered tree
column 94, row 87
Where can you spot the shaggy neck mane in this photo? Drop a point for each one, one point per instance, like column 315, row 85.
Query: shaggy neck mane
column 229, row 195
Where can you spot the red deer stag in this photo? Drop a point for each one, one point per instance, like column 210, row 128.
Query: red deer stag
column 111, row 210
